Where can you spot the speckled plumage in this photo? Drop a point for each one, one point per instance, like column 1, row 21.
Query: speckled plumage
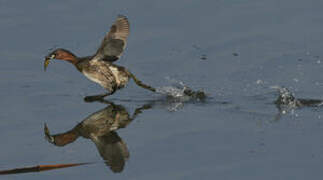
column 108, row 75
column 100, row 127
column 99, row 68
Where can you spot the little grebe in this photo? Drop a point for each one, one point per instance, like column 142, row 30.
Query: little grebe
column 100, row 127
column 99, row 67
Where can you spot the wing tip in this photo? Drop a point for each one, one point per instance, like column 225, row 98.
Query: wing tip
column 123, row 23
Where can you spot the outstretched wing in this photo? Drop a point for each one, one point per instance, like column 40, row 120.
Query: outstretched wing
column 115, row 41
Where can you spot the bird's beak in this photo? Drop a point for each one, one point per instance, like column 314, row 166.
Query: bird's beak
column 47, row 60
column 49, row 137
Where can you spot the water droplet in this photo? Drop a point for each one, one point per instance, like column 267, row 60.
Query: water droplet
column 259, row 81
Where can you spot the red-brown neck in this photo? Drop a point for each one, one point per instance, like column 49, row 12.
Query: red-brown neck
column 62, row 54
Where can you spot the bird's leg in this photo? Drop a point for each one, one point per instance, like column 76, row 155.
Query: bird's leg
column 140, row 109
column 95, row 97
column 141, row 84
column 98, row 97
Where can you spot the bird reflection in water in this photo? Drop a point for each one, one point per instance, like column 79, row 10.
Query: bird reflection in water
column 101, row 128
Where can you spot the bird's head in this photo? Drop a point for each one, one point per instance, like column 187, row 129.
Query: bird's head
column 60, row 54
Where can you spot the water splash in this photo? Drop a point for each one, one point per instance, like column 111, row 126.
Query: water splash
column 176, row 92
column 287, row 102
column 286, row 97
column 172, row 91
column 179, row 93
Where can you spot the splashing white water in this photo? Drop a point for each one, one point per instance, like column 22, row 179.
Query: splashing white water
column 176, row 94
column 176, row 91
column 171, row 91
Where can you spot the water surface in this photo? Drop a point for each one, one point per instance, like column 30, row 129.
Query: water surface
column 233, row 50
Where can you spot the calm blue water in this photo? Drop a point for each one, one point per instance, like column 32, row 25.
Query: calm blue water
column 247, row 46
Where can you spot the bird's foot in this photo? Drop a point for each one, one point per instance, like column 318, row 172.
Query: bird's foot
column 195, row 94
column 95, row 98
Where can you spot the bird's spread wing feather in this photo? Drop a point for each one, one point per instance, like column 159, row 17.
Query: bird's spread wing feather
column 115, row 41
